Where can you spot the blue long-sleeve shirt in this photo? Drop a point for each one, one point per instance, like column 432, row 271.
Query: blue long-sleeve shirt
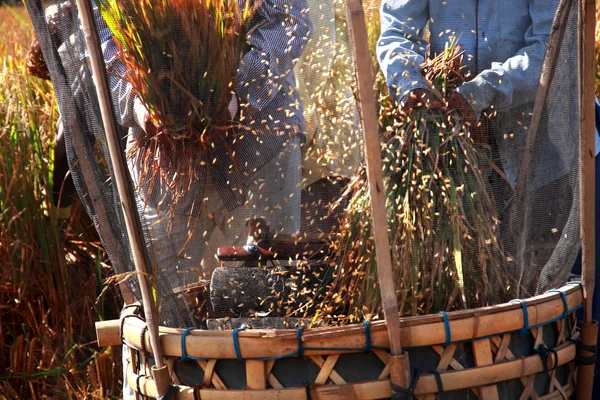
column 504, row 43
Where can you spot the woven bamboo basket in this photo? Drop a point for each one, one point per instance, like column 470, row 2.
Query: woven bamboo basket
column 523, row 349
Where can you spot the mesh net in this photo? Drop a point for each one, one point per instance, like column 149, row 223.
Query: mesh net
column 246, row 132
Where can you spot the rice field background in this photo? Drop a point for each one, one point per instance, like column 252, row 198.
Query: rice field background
column 53, row 272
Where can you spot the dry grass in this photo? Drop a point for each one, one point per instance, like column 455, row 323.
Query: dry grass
column 51, row 271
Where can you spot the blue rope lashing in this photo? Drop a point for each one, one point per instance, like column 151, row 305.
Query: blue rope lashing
column 402, row 393
column 368, row 346
column 137, row 383
column 563, row 295
column 308, row 392
column 447, row 328
column 184, row 355
column 526, row 328
column 300, row 350
column 236, row 343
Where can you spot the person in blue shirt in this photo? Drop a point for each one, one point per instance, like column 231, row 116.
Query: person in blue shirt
column 504, row 44
column 266, row 180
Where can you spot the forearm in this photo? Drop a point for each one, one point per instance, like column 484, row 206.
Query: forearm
column 506, row 85
column 401, row 49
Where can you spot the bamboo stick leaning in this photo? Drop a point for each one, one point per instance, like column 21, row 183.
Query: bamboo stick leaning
column 117, row 156
column 400, row 366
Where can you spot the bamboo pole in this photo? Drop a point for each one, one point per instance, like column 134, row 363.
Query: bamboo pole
column 587, row 155
column 400, row 367
column 117, row 157
column 587, row 24
column 366, row 93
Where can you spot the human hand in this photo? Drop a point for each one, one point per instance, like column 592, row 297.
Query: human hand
column 221, row 126
column 478, row 130
column 458, row 102
column 142, row 118
column 418, row 98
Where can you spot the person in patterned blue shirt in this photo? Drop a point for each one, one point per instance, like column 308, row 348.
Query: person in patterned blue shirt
column 266, row 182
column 266, row 179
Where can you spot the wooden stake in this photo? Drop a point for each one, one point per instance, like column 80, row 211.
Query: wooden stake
column 587, row 20
column 117, row 157
column 358, row 28
column 585, row 373
column 400, row 366
column 587, row 155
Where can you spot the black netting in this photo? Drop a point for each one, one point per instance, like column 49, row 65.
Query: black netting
column 543, row 225
column 471, row 223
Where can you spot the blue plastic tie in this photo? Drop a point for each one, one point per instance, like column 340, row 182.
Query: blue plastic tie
column 368, row 346
column 526, row 328
column 184, row 354
column 236, row 343
column 300, row 350
column 563, row 295
column 447, row 328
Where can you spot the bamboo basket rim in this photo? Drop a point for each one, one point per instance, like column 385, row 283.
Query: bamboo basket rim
column 419, row 331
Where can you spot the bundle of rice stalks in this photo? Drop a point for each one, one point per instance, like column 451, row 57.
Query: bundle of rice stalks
column 181, row 58
column 446, row 252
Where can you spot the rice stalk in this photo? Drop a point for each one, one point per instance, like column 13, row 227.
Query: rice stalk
column 445, row 246
column 181, row 58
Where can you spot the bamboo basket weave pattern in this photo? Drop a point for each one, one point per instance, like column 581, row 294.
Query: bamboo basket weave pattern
column 523, row 349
